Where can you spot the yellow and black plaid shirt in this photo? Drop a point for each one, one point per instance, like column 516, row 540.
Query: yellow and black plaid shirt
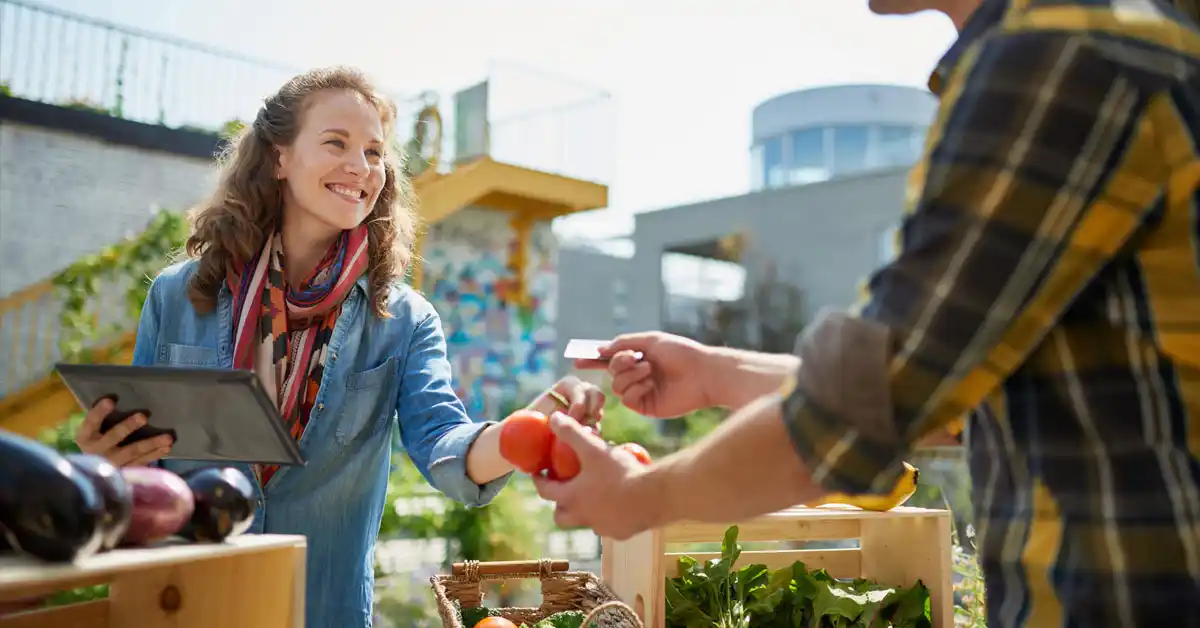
column 1048, row 280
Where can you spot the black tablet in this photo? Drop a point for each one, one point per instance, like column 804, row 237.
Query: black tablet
column 214, row 414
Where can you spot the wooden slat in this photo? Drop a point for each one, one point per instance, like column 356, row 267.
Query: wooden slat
column 19, row 576
column 840, row 563
column 766, row 529
column 92, row 614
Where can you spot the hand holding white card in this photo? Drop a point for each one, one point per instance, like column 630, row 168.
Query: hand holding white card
column 580, row 349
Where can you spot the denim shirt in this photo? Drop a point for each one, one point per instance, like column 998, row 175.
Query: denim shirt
column 381, row 374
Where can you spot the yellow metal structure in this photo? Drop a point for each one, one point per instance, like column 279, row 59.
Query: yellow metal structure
column 33, row 400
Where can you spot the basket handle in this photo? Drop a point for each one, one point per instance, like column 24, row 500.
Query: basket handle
column 474, row 569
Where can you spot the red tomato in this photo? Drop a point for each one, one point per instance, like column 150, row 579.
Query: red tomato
column 564, row 462
column 638, row 452
column 525, row 440
column 495, row 622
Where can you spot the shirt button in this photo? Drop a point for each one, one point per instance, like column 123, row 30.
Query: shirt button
column 320, row 406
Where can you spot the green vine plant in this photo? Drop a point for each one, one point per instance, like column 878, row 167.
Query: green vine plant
column 84, row 104
column 136, row 260
column 230, row 129
column 130, row 265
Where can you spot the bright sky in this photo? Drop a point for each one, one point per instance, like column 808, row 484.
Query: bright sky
column 684, row 75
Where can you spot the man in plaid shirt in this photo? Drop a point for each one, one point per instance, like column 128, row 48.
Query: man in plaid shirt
column 1048, row 283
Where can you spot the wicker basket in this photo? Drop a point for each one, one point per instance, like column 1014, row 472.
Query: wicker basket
column 562, row 590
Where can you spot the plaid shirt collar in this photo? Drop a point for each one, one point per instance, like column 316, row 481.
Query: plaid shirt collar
column 982, row 21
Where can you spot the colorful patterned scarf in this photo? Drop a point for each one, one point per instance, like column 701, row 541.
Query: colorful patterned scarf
column 281, row 333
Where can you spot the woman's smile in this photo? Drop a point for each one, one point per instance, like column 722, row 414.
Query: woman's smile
column 349, row 193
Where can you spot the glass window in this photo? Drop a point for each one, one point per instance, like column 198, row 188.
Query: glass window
column 758, row 174
column 773, row 164
column 808, row 159
column 808, row 148
column 898, row 145
column 850, row 145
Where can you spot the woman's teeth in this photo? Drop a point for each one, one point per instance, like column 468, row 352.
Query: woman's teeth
column 350, row 194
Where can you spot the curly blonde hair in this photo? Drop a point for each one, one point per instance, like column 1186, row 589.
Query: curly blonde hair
column 232, row 225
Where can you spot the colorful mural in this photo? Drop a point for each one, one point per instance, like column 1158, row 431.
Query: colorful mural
column 502, row 351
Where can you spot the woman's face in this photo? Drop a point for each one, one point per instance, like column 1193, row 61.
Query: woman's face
column 333, row 172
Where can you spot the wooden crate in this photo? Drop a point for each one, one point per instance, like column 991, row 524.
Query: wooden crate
column 896, row 547
column 253, row 581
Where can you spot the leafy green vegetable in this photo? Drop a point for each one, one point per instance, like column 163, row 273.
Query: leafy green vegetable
column 561, row 619
column 717, row 595
column 474, row 615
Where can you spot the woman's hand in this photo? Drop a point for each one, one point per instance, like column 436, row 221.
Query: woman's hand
column 91, row 441
column 576, row 398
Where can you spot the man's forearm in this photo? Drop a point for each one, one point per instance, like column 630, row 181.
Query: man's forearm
column 744, row 468
column 739, row 377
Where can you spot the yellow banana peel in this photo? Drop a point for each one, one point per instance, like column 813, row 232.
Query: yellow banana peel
column 877, row 503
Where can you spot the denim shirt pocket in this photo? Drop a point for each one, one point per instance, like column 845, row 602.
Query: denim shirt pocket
column 171, row 354
column 368, row 402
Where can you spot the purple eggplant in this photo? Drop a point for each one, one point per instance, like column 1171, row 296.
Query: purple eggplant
column 48, row 508
column 225, row 504
column 162, row 504
column 118, row 497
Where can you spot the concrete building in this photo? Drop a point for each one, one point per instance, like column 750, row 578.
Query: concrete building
column 829, row 169
column 817, row 134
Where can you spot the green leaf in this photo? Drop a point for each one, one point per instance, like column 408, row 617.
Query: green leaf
column 912, row 608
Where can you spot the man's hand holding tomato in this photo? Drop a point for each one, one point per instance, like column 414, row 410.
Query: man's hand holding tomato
column 608, row 494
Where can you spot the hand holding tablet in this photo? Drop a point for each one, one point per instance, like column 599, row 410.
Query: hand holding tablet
column 122, row 436
column 219, row 415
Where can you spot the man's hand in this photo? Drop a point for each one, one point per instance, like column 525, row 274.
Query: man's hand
column 612, row 493
column 671, row 378
column 580, row 400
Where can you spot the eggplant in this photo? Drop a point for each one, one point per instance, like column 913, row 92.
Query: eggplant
column 113, row 489
column 162, row 504
column 225, row 504
column 48, row 508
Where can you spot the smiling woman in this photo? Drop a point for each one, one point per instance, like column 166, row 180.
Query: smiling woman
column 297, row 273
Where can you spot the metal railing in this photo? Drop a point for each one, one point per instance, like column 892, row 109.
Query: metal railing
column 547, row 123
column 57, row 57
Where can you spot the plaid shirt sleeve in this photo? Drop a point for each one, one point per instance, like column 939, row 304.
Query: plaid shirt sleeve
column 1026, row 191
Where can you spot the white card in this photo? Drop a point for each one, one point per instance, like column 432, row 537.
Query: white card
column 579, row 349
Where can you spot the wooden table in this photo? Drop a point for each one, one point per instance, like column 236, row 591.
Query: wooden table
column 253, row 581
